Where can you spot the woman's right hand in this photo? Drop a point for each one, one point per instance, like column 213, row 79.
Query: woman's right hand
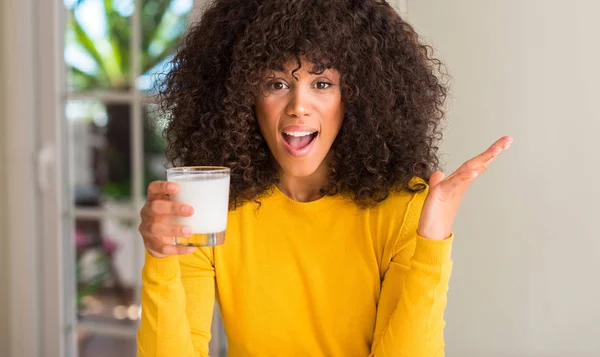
column 156, row 228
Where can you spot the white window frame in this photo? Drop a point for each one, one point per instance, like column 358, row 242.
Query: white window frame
column 135, row 99
column 39, row 213
column 132, row 97
column 31, row 54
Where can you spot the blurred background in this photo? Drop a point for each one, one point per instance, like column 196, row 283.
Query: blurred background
column 96, row 65
column 80, row 139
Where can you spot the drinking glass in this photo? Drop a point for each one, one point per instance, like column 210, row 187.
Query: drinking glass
column 206, row 188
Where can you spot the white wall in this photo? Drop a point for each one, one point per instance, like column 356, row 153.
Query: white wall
column 4, row 297
column 527, row 255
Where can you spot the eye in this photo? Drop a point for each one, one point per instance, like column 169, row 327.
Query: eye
column 276, row 85
column 323, row 85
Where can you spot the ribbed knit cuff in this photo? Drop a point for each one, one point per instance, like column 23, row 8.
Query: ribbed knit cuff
column 433, row 252
column 161, row 268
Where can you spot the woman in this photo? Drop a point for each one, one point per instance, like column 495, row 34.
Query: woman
column 339, row 232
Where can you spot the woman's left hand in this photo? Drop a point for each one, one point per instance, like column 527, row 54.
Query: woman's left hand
column 445, row 194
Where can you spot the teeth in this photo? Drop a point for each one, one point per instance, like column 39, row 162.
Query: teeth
column 298, row 133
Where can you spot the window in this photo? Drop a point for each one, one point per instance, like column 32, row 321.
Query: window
column 114, row 52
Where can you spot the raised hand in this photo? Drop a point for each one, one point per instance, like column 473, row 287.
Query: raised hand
column 445, row 194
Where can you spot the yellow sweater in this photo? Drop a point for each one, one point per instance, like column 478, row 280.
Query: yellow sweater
column 322, row 278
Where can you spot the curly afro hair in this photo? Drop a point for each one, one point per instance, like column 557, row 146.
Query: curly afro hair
column 391, row 87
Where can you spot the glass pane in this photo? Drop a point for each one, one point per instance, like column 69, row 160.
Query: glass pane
column 154, row 146
column 163, row 25
column 96, row 345
column 106, row 270
column 100, row 150
column 97, row 40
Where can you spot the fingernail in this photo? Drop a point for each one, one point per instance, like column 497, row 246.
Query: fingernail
column 171, row 187
column 190, row 250
column 186, row 209
column 186, row 231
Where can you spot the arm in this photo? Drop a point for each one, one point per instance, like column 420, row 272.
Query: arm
column 413, row 295
column 410, row 313
column 178, row 294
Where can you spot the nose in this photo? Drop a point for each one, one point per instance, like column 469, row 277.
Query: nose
column 299, row 103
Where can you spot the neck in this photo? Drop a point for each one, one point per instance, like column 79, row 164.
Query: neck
column 305, row 188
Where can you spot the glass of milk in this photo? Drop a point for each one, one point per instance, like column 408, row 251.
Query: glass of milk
column 206, row 188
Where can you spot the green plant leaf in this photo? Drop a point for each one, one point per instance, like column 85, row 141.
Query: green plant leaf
column 152, row 13
column 119, row 32
column 86, row 44
column 83, row 80
column 100, row 52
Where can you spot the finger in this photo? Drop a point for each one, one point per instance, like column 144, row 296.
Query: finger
column 499, row 146
column 164, row 208
column 148, row 216
column 486, row 157
column 460, row 180
column 156, row 243
column 157, row 189
column 169, row 248
column 160, row 230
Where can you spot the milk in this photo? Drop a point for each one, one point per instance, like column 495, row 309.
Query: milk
column 209, row 195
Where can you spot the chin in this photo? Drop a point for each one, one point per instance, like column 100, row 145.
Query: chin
column 300, row 169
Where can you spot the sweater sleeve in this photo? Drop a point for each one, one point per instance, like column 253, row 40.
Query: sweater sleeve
column 178, row 295
column 410, row 313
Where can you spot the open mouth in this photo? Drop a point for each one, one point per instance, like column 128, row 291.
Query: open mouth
column 299, row 142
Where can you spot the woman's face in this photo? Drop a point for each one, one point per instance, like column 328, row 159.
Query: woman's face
column 300, row 118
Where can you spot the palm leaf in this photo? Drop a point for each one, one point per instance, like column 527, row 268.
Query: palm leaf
column 101, row 52
column 168, row 35
column 119, row 36
column 86, row 42
column 90, row 80
column 152, row 15
column 162, row 31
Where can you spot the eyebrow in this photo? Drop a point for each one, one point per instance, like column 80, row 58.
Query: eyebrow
column 293, row 71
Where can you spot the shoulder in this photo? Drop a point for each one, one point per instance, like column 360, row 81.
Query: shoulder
column 394, row 220
column 405, row 198
column 399, row 214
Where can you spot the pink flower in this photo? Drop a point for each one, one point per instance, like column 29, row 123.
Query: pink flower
column 109, row 245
